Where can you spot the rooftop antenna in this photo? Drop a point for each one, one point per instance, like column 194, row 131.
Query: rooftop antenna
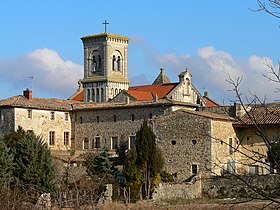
column 31, row 77
column 105, row 24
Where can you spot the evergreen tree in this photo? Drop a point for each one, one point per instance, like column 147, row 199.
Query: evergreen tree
column 101, row 167
column 145, row 163
column 6, row 166
column 33, row 165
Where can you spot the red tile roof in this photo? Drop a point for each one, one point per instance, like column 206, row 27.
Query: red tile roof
column 161, row 90
column 209, row 102
column 140, row 95
column 79, row 96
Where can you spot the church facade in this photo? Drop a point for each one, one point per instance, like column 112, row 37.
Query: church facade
column 105, row 112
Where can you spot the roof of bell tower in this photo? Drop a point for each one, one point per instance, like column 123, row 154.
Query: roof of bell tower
column 106, row 37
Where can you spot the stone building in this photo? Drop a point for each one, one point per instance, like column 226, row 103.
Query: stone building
column 105, row 111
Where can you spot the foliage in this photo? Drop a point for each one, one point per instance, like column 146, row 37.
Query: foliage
column 6, row 166
column 101, row 167
column 166, row 177
column 144, row 162
column 31, row 161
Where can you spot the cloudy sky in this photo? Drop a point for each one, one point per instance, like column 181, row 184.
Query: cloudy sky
column 213, row 39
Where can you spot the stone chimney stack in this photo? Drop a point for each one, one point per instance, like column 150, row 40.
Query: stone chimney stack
column 28, row 94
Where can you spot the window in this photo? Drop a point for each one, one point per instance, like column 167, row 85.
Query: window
column 97, row 142
column 132, row 117
column 254, row 169
column 66, row 116
column 115, row 118
column 150, row 115
column 97, row 119
column 93, row 95
column 88, row 95
column 52, row 138
column 131, row 142
column 118, row 64
column 230, row 166
column 66, row 138
column 81, row 120
column 97, row 95
column 194, row 169
column 102, row 95
column 52, row 115
column 230, row 146
column 86, row 144
column 114, row 63
column 114, row 143
column 29, row 114
column 94, row 64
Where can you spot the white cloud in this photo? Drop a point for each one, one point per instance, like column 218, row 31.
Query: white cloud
column 211, row 68
column 51, row 73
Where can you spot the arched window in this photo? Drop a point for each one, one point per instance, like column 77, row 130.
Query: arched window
column 97, row 95
column 94, row 64
column 88, row 95
column 99, row 63
column 114, row 63
column 118, row 64
column 102, row 95
column 116, row 91
column 112, row 92
column 93, row 95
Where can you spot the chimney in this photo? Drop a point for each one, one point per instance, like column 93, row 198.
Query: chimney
column 28, row 94
column 205, row 94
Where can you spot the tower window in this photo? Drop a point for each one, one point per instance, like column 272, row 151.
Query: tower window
column 97, row 142
column 97, row 119
column 118, row 64
column 93, row 95
column 94, row 64
column 114, row 63
column 102, row 95
column 132, row 117
column 115, row 118
column 97, row 95
column 99, row 62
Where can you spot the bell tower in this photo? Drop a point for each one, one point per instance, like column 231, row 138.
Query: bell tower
column 105, row 66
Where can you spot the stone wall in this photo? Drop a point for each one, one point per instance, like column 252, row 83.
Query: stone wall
column 41, row 124
column 235, row 187
column 222, row 131
column 184, row 140
column 166, row 191
column 7, row 120
column 107, row 123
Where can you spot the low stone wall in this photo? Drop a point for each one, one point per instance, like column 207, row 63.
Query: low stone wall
column 242, row 186
column 166, row 191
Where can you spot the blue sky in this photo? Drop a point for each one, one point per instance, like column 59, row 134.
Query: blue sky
column 213, row 39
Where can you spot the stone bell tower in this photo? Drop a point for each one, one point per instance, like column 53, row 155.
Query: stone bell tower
column 105, row 66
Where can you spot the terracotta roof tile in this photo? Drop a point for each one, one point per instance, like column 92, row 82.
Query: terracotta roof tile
column 140, row 95
column 161, row 90
column 261, row 116
column 79, row 96
column 209, row 102
column 39, row 103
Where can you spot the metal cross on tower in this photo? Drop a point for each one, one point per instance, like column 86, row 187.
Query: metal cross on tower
column 105, row 23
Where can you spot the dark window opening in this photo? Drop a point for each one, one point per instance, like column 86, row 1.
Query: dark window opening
column 97, row 119
column 173, row 142
column 194, row 142
column 115, row 118
column 194, row 169
column 132, row 117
